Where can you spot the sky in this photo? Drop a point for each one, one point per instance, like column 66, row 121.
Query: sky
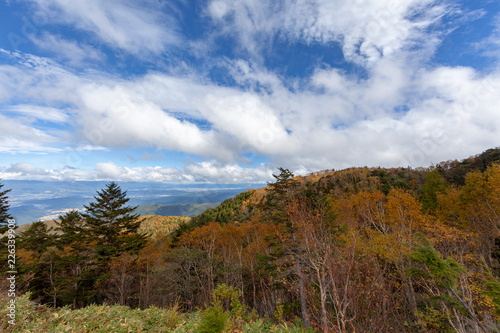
column 227, row 91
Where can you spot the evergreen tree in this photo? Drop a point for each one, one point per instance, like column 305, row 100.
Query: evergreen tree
column 280, row 194
column 112, row 224
column 111, row 227
column 77, row 260
column 36, row 238
column 4, row 208
column 34, row 263
column 71, row 226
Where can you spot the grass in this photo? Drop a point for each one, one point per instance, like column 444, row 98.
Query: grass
column 31, row 317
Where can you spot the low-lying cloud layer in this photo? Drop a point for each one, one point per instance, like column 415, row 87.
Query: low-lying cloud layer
column 198, row 172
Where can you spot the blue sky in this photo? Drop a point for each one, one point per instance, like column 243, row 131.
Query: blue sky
column 227, row 91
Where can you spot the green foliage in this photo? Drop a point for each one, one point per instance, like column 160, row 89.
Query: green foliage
column 454, row 172
column 435, row 320
column 443, row 271
column 4, row 210
column 492, row 289
column 229, row 298
column 213, row 320
column 36, row 238
column 113, row 229
column 434, row 184
column 258, row 326
column 228, row 211
column 392, row 178
column 284, row 182
column 109, row 220
column 94, row 318
column 31, row 317
column 279, row 194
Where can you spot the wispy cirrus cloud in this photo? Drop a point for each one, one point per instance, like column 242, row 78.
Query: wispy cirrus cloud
column 137, row 27
column 366, row 30
column 37, row 112
column 490, row 46
column 71, row 52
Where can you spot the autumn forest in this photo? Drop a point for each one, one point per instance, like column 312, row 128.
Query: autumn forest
column 354, row 250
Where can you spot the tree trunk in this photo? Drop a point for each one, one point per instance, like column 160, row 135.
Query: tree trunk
column 303, row 299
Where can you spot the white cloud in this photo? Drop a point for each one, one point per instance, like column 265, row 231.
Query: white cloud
column 72, row 52
column 197, row 172
column 25, row 169
column 229, row 173
column 39, row 112
column 402, row 111
column 134, row 26
column 367, row 30
column 20, row 137
column 336, row 121
column 490, row 46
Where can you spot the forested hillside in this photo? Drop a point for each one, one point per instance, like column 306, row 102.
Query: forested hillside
column 355, row 250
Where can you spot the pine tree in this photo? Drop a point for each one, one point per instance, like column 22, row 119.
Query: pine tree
column 4, row 208
column 111, row 228
column 112, row 224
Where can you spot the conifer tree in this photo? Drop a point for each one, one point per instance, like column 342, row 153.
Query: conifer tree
column 33, row 245
column 280, row 194
column 111, row 227
column 112, row 224
column 36, row 238
column 72, row 228
column 4, row 208
column 77, row 285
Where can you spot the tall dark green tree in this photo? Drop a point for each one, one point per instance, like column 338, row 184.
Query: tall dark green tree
column 33, row 246
column 112, row 224
column 71, row 227
column 4, row 210
column 37, row 238
column 280, row 195
column 77, row 259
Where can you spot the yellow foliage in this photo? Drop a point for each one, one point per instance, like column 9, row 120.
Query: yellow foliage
column 160, row 225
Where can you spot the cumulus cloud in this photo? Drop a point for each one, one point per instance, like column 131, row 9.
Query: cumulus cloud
column 26, row 169
column 401, row 111
column 230, row 173
column 210, row 171
column 395, row 116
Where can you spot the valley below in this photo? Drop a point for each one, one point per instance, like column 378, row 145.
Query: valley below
column 32, row 201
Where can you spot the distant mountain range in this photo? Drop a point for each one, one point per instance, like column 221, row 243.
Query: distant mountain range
column 32, row 201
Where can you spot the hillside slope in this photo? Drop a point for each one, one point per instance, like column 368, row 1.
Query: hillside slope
column 360, row 249
column 373, row 249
